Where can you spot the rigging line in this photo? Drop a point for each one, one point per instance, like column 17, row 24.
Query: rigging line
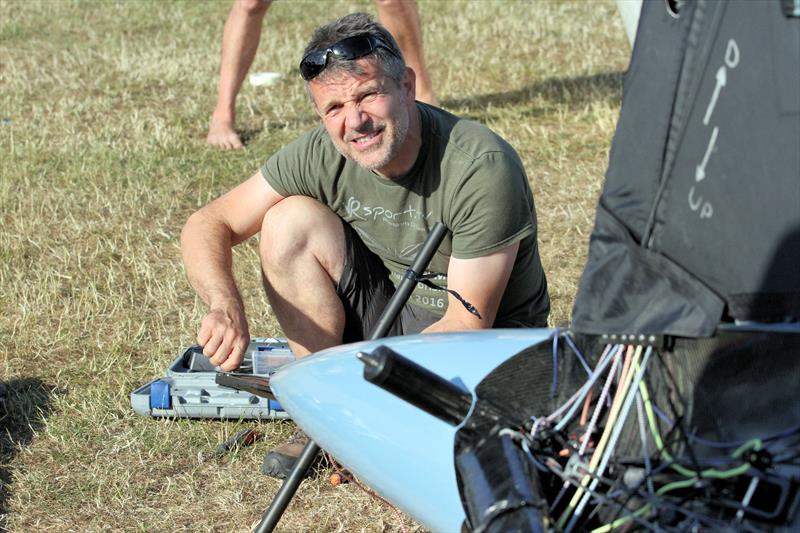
column 600, row 448
column 519, row 438
column 537, row 423
column 673, row 384
column 636, row 490
column 554, row 386
column 707, row 473
column 664, row 502
column 609, row 354
column 642, row 510
column 786, row 456
column 711, row 523
column 756, row 444
column 669, row 439
column 746, row 500
column 560, row 495
column 577, row 352
column 726, row 444
column 601, row 365
column 605, row 357
column 631, row 493
column 640, row 416
column 628, row 513
column 598, row 408
column 606, row 500
column 574, row 400
column 585, row 411
column 659, row 502
column 628, row 397
column 598, row 496
column 626, row 367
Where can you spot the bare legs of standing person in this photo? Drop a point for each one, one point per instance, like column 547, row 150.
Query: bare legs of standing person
column 240, row 39
column 242, row 34
column 401, row 18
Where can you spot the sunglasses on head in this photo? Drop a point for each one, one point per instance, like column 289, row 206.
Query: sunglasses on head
column 348, row 49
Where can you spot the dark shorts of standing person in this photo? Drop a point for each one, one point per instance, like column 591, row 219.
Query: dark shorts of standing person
column 365, row 290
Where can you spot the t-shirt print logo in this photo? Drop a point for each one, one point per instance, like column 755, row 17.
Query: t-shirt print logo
column 406, row 217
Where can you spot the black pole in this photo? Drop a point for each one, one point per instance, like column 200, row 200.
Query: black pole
column 289, row 487
column 273, row 514
column 409, row 281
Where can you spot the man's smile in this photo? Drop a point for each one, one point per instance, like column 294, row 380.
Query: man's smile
column 366, row 140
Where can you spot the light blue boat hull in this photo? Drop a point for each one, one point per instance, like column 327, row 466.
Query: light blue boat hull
column 401, row 452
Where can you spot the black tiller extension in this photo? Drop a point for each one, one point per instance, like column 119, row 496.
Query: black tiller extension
column 285, row 494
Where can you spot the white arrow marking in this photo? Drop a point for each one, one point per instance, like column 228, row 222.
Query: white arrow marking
column 700, row 172
column 722, row 79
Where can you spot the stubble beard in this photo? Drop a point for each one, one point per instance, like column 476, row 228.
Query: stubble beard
column 393, row 139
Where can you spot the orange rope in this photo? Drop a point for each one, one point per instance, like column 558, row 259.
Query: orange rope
column 585, row 412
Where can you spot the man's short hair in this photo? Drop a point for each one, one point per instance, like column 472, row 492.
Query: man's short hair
column 391, row 63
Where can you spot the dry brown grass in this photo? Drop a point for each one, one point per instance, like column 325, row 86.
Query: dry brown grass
column 103, row 110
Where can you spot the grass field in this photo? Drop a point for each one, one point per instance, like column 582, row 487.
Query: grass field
column 103, row 113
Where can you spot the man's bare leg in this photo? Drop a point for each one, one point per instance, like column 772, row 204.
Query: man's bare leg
column 302, row 258
column 401, row 18
column 240, row 39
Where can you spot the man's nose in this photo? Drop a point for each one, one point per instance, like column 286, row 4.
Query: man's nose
column 355, row 117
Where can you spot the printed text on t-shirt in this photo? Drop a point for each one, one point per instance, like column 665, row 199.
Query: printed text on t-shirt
column 356, row 209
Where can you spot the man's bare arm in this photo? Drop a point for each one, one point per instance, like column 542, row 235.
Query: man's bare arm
column 480, row 281
column 206, row 242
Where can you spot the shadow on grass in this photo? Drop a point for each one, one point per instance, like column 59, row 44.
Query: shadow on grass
column 574, row 92
column 252, row 134
column 24, row 405
column 248, row 134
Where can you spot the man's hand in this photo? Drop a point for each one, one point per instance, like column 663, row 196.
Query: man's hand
column 206, row 242
column 224, row 337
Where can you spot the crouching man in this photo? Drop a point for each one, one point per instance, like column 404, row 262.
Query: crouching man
column 343, row 209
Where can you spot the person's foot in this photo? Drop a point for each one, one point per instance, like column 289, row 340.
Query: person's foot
column 280, row 461
column 222, row 135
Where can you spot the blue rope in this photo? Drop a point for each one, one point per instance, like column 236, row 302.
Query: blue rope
column 568, row 338
column 555, row 365
column 722, row 444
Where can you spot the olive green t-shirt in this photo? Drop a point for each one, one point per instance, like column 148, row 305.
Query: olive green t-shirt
column 465, row 176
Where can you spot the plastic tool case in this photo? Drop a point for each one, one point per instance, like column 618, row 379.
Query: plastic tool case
column 188, row 388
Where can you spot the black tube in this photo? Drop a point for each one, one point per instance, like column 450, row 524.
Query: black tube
column 416, row 384
column 285, row 494
column 409, row 281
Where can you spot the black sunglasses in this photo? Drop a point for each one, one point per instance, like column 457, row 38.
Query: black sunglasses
column 348, row 49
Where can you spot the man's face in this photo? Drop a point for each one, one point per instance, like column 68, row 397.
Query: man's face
column 367, row 117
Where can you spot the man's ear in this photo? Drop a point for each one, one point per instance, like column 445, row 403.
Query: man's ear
column 410, row 83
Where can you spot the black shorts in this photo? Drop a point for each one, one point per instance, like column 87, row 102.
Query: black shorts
column 365, row 289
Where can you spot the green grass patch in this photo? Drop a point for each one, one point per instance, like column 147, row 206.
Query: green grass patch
column 103, row 114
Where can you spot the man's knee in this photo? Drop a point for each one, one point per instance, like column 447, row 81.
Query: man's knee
column 253, row 7
column 297, row 226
